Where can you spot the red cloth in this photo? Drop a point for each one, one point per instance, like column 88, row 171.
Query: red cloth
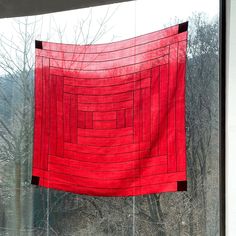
column 110, row 118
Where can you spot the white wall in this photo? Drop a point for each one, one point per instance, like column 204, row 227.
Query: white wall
column 231, row 123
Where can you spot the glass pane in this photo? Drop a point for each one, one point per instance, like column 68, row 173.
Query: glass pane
column 29, row 210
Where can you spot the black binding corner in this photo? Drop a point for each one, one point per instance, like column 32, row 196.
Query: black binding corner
column 183, row 27
column 182, row 186
column 35, row 180
column 38, row 44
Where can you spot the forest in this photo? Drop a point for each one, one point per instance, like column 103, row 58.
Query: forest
column 30, row 210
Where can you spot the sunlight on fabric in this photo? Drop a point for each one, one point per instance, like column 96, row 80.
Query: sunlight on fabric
column 109, row 119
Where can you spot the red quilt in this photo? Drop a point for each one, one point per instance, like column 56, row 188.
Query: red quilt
column 110, row 118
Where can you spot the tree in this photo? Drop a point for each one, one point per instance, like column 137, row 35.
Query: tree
column 16, row 120
column 16, row 131
column 195, row 212
column 32, row 211
column 202, row 114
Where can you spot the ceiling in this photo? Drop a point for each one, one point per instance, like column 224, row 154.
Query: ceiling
column 13, row 8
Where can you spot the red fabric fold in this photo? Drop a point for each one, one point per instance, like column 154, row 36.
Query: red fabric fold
column 110, row 118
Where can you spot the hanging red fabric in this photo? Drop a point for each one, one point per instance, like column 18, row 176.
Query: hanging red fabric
column 110, row 118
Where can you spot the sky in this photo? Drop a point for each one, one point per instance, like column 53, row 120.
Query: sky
column 139, row 17
column 118, row 21
column 125, row 19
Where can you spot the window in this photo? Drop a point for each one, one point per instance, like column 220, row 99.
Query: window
column 39, row 211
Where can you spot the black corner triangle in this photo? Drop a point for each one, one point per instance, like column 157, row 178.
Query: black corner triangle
column 183, row 27
column 182, row 186
column 35, row 180
column 38, row 44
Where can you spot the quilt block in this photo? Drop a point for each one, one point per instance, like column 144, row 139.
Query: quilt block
column 110, row 118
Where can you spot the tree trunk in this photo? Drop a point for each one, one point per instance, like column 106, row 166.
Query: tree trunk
column 18, row 196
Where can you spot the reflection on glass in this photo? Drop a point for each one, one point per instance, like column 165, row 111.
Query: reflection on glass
column 30, row 210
